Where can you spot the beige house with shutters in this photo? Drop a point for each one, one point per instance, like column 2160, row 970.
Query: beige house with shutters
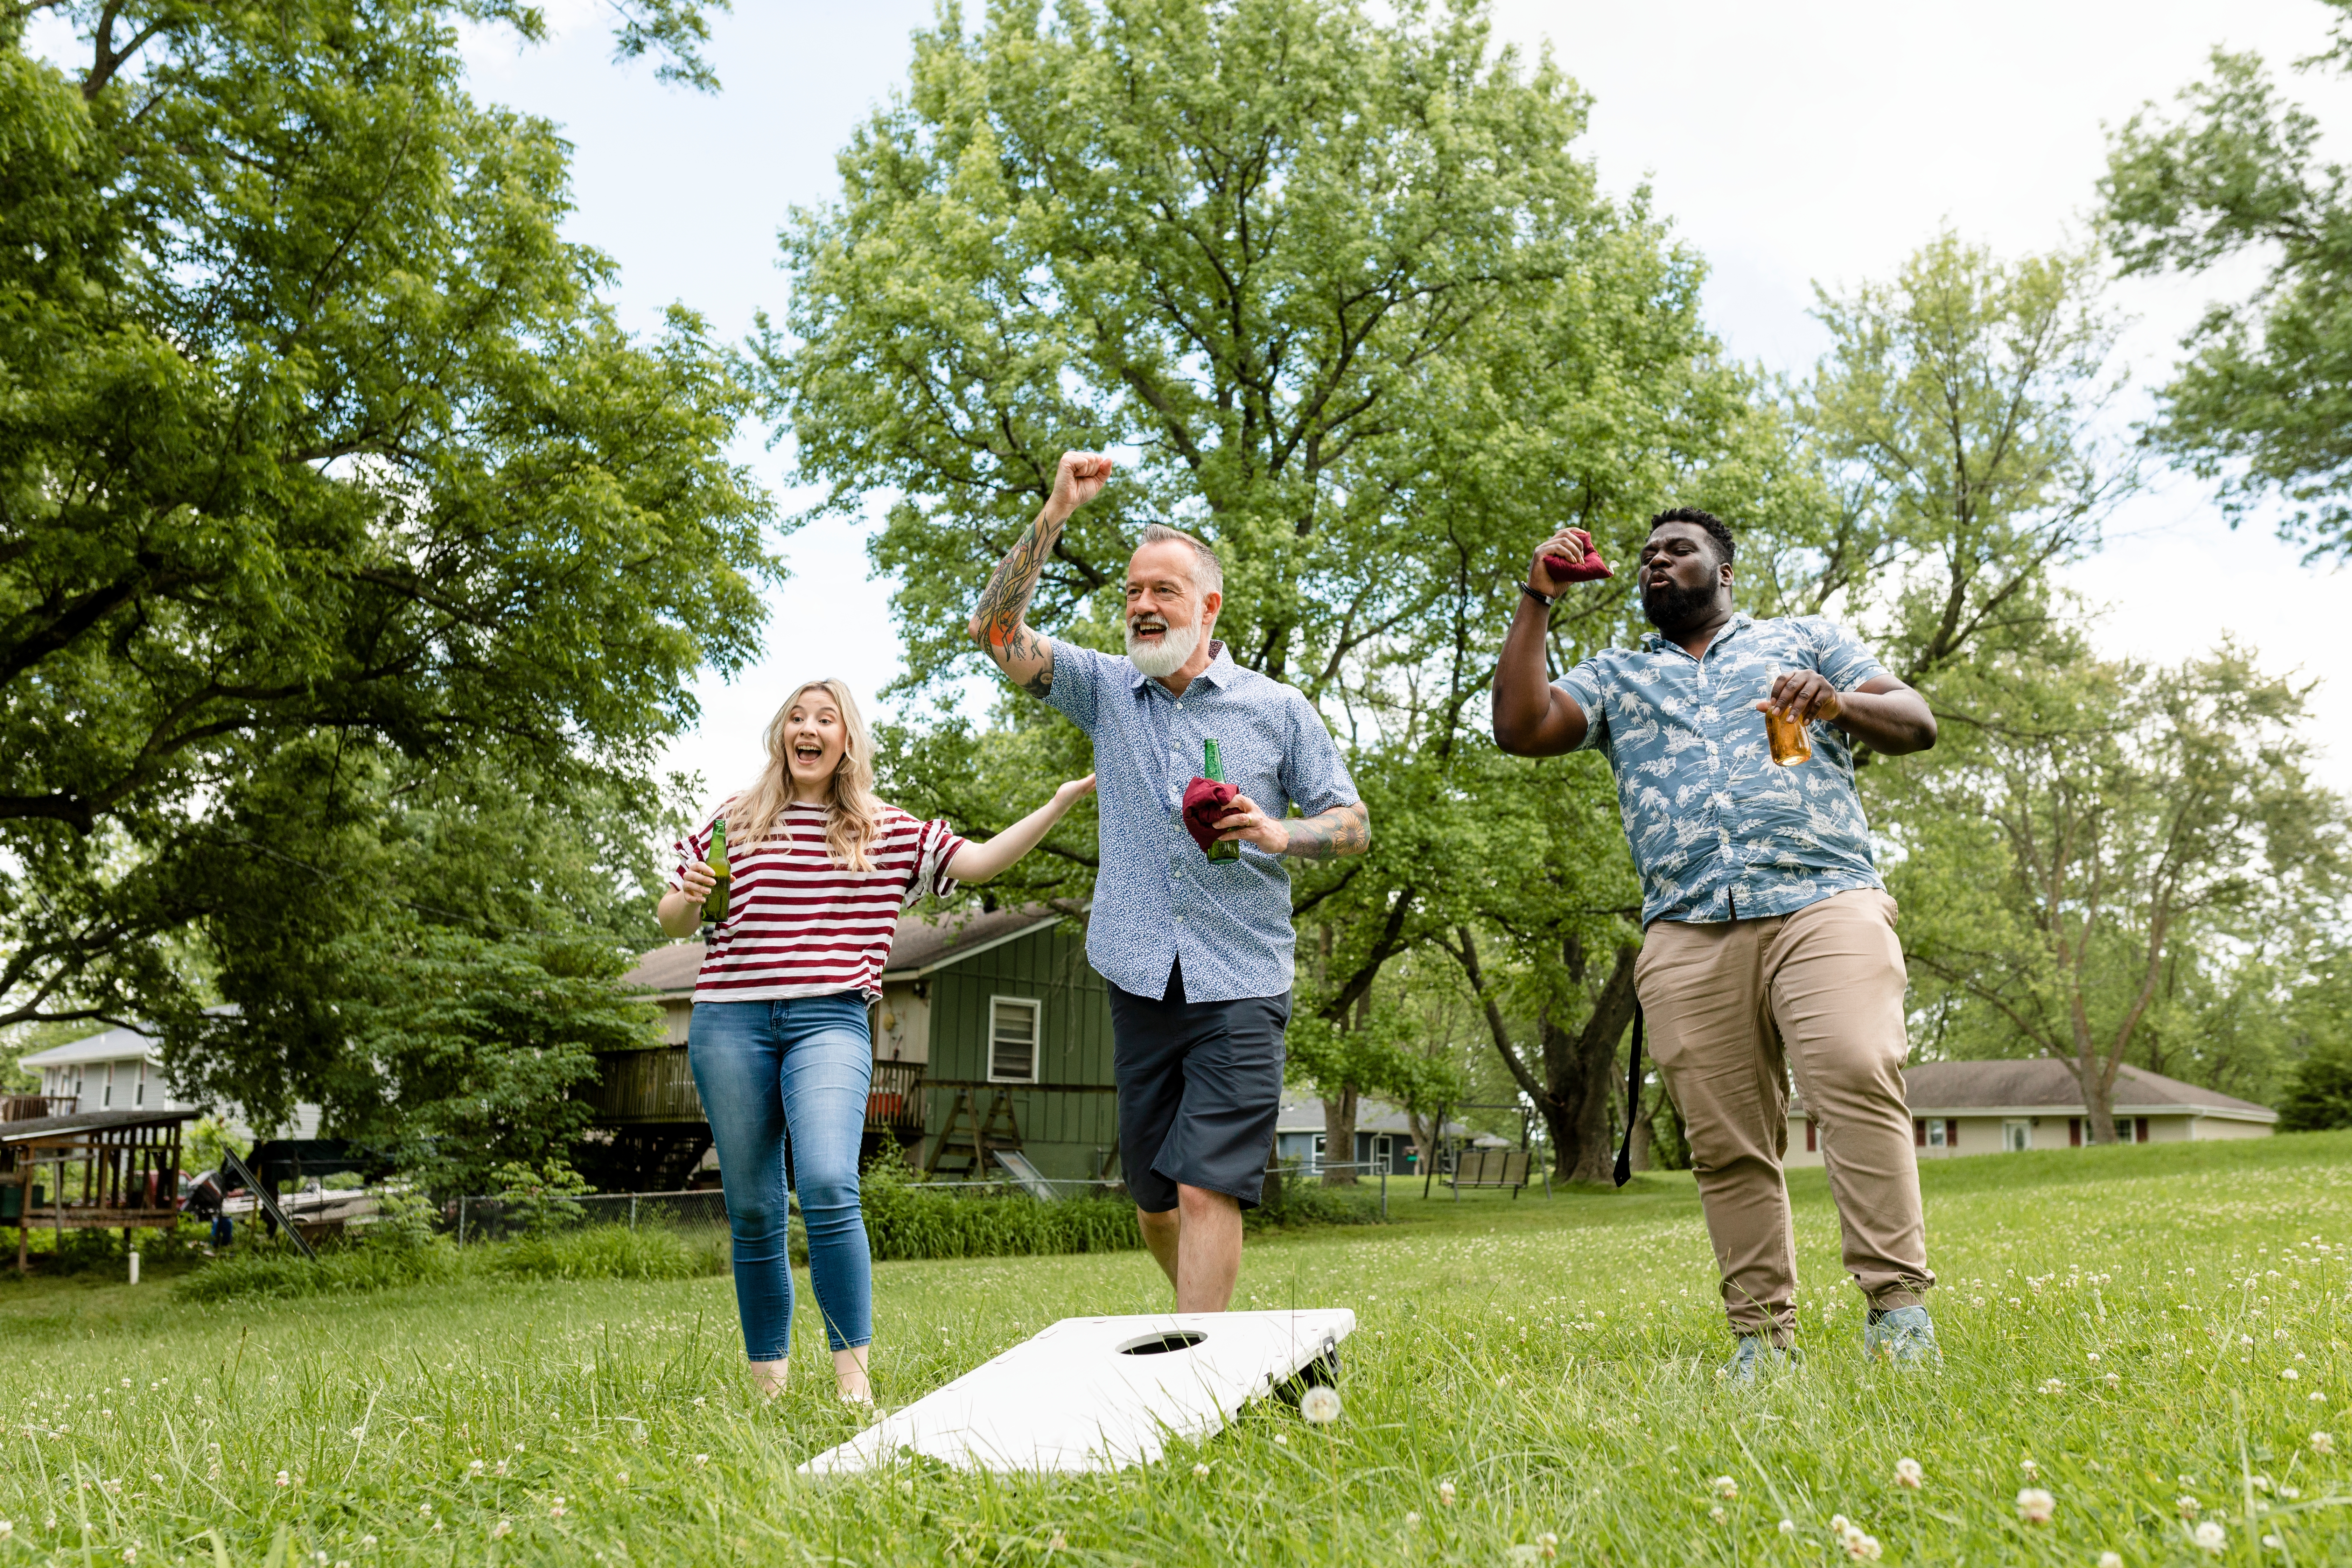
column 2005, row 1107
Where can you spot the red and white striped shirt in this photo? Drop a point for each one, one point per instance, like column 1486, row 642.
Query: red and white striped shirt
column 800, row 924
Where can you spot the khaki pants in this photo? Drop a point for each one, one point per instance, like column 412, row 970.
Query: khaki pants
column 1735, row 1006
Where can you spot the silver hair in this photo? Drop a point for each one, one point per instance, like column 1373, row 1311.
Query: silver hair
column 1208, row 572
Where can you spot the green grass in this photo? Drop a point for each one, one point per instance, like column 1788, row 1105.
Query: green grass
column 1553, row 1361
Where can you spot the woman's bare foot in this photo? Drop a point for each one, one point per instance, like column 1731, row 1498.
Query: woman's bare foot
column 849, row 1376
column 768, row 1377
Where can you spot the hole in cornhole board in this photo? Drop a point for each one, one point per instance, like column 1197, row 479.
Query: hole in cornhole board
column 1099, row 1394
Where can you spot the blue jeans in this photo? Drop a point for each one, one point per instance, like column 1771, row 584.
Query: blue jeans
column 767, row 1070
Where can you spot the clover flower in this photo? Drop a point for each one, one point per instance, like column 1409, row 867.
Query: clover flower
column 501, row 1530
column 1908, row 1475
column 1725, row 1488
column 1788, row 1527
column 2323, row 1443
column 701, row 1459
column 2035, row 1506
column 1445, row 1493
column 2210, row 1537
column 2111, row 1560
column 2189, row 1506
column 1717, row 1513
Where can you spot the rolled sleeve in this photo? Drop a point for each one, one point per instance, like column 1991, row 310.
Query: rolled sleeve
column 1314, row 775
column 935, row 849
column 1584, row 684
column 1076, row 690
column 1839, row 655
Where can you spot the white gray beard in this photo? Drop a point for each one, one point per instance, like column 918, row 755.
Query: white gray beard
column 1168, row 656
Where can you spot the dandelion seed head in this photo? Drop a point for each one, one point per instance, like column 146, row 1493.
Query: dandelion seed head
column 1320, row 1405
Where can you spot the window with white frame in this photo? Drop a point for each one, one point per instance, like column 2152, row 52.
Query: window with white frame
column 108, row 1094
column 2016, row 1137
column 1935, row 1132
column 1014, row 1024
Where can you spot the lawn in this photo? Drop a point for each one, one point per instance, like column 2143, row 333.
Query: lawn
column 2139, row 1332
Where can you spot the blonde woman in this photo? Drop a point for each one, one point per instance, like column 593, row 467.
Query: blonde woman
column 820, row 869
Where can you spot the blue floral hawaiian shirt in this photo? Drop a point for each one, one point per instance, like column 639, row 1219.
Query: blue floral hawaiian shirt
column 1718, row 830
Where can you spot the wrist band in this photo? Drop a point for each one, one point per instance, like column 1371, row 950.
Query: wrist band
column 1541, row 598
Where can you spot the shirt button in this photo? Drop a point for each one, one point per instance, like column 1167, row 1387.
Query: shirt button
column 1180, row 920
column 1178, row 875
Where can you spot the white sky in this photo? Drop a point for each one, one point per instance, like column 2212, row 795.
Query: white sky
column 1790, row 142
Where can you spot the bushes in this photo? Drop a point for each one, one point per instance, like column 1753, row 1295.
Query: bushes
column 589, row 1252
column 281, row 1273
column 904, row 1221
column 612, row 1252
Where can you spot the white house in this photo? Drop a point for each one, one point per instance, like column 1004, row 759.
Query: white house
column 2001, row 1107
column 122, row 1069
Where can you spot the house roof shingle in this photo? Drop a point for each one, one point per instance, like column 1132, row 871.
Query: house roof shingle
column 2043, row 1086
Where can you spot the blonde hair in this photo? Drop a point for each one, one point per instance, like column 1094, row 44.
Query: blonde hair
column 854, row 812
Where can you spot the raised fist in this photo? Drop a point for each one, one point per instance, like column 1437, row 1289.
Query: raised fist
column 1078, row 479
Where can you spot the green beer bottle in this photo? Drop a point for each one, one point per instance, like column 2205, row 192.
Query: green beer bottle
column 1212, row 768
column 714, row 906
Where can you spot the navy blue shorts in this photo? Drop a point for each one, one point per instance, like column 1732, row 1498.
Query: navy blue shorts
column 1199, row 1084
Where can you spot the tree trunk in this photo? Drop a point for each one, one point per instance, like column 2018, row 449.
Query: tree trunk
column 1640, row 1160
column 2098, row 1098
column 1426, row 1131
column 1579, row 1075
column 1339, row 1137
column 1579, row 1070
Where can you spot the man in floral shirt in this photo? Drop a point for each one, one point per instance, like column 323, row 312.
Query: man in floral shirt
column 1768, row 940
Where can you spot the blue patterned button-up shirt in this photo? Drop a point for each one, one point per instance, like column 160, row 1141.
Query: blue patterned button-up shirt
column 1719, row 831
column 1157, row 897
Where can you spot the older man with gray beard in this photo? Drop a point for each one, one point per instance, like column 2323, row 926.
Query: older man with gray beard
column 1198, row 950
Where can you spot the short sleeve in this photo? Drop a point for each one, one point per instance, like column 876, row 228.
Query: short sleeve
column 695, row 847
column 1079, row 674
column 935, row 846
column 1839, row 655
column 1586, row 684
column 1314, row 775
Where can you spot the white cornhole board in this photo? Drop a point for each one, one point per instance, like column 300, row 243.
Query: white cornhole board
column 1075, row 1398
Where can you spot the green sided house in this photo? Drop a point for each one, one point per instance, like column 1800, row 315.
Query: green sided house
column 993, row 1039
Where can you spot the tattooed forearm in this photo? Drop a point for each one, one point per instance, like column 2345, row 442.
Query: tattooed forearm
column 997, row 623
column 1343, row 830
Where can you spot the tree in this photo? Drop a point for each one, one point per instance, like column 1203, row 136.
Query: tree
column 1953, row 422
column 2067, row 840
column 2262, row 401
column 1342, row 288
column 2319, row 1015
column 319, row 455
column 466, row 1050
column 1560, row 892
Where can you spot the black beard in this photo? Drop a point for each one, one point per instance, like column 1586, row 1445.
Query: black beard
column 1675, row 611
